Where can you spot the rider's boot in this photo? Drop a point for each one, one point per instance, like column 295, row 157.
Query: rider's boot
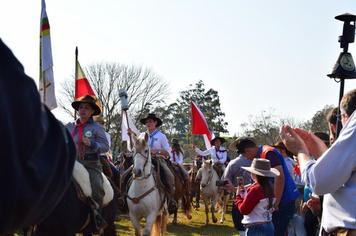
column 100, row 223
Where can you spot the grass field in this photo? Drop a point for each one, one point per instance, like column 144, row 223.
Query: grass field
column 184, row 227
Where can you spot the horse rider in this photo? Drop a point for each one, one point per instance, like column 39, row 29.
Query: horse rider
column 176, row 156
column 91, row 141
column 159, row 149
column 218, row 154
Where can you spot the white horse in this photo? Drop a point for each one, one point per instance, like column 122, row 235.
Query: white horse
column 209, row 190
column 144, row 199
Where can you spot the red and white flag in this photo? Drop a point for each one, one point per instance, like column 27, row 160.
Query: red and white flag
column 199, row 125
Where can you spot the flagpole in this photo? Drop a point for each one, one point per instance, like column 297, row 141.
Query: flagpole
column 75, row 78
column 191, row 124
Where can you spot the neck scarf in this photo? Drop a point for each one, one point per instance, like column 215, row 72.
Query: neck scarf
column 80, row 135
column 174, row 156
column 218, row 150
column 152, row 139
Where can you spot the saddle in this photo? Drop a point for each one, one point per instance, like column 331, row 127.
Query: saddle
column 83, row 188
column 218, row 170
column 177, row 172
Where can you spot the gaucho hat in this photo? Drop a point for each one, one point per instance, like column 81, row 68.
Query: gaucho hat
column 89, row 99
column 153, row 117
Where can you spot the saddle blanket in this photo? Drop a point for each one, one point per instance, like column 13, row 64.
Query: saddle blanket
column 81, row 175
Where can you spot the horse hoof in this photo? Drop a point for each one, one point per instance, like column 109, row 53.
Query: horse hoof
column 206, row 223
column 215, row 220
column 174, row 222
column 189, row 217
column 221, row 222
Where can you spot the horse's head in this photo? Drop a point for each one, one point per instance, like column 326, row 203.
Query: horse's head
column 127, row 160
column 206, row 173
column 141, row 157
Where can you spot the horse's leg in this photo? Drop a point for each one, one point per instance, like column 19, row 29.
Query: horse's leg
column 206, row 203
column 135, row 223
column 164, row 223
column 186, row 204
column 156, row 228
column 225, row 199
column 150, row 220
column 174, row 221
column 213, row 203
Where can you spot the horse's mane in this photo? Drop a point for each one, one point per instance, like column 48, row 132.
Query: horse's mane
column 140, row 143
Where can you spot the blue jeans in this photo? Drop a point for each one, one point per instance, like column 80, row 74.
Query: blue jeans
column 281, row 218
column 260, row 230
column 237, row 217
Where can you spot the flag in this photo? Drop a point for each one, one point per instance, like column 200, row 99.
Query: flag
column 199, row 125
column 46, row 83
column 124, row 127
column 82, row 86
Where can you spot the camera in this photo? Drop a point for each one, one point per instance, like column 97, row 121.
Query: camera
column 240, row 181
column 221, row 183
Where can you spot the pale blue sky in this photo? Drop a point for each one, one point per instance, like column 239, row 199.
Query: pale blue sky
column 256, row 54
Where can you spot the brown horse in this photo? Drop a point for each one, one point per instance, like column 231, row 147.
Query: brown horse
column 180, row 192
column 194, row 187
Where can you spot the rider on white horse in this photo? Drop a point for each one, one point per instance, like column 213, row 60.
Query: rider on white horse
column 159, row 148
column 218, row 154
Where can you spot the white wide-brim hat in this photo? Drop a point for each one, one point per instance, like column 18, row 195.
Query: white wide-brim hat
column 262, row 167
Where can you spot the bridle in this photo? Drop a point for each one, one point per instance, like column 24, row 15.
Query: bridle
column 147, row 160
column 210, row 177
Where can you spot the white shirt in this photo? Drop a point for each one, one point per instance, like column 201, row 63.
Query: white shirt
column 212, row 151
column 334, row 175
column 160, row 142
column 179, row 157
column 290, row 165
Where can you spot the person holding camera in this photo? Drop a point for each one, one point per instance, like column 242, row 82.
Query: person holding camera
column 233, row 171
column 257, row 204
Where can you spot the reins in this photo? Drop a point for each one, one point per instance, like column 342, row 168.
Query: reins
column 210, row 177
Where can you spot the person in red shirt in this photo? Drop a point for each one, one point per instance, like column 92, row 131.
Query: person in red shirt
column 257, row 204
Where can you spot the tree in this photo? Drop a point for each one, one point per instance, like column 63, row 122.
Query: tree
column 319, row 121
column 177, row 116
column 265, row 128
column 143, row 87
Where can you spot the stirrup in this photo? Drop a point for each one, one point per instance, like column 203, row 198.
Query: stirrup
column 172, row 206
column 121, row 203
column 99, row 222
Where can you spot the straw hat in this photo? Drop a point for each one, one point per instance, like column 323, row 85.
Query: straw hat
column 235, row 144
column 262, row 167
column 99, row 119
column 89, row 99
column 153, row 117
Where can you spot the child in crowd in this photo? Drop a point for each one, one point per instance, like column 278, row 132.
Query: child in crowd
column 257, row 205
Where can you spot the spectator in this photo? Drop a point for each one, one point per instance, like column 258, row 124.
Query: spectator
column 233, row 170
column 285, row 189
column 339, row 189
column 257, row 205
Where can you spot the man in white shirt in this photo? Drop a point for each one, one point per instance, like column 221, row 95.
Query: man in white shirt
column 217, row 153
column 334, row 173
column 159, row 148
